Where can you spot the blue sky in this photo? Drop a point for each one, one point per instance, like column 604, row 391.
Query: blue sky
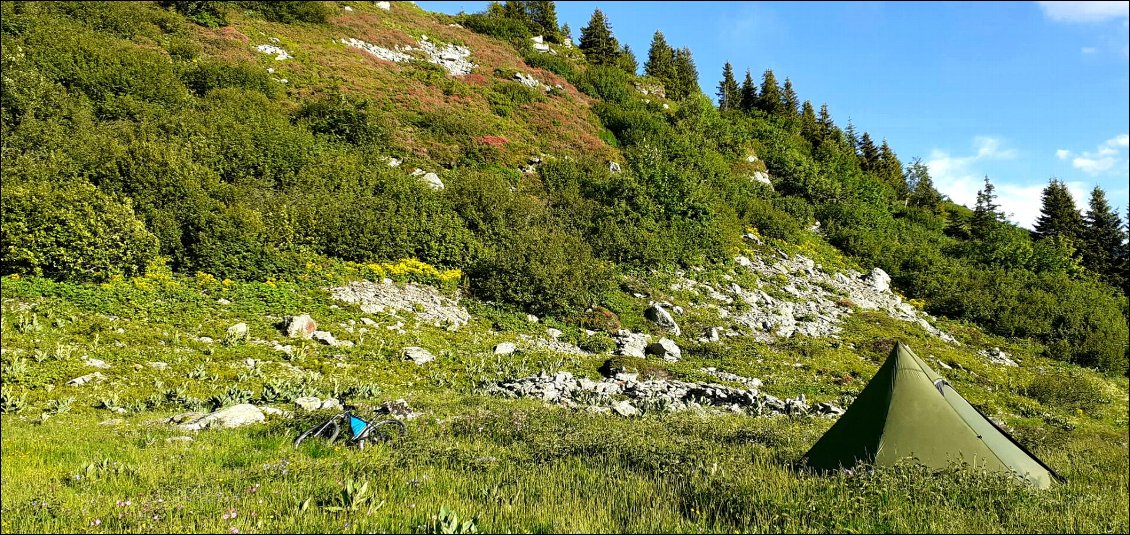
column 1018, row 91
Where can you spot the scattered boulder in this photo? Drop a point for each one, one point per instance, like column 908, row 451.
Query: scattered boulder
column 531, row 318
column 665, row 349
column 614, row 167
column 325, row 337
column 95, row 363
column 426, row 302
column 398, row 409
column 625, row 408
column 631, row 344
column 384, row 5
column 228, row 417
column 418, row 355
column 505, row 348
column 657, row 314
column 300, row 326
column 879, row 280
column 278, row 52
column 237, row 332
column 432, row 181
column 331, row 404
column 88, row 378
column 554, row 333
column 223, row 302
column 307, row 403
column 998, row 357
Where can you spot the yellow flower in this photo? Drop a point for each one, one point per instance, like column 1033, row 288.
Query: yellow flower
column 14, row 276
column 227, row 282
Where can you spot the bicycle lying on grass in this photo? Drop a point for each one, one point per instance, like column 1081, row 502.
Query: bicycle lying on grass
column 361, row 433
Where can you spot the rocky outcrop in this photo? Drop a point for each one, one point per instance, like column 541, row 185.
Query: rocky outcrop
column 426, row 302
column 656, row 395
column 278, row 52
column 662, row 318
column 418, row 355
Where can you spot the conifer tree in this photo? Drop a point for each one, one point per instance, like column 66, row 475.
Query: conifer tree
column 852, row 138
column 809, row 127
column 825, row 120
column 597, row 41
column 686, row 75
column 660, row 62
column 922, row 192
column 770, row 100
column 1058, row 215
column 868, row 154
column 627, row 61
column 748, row 99
column 516, row 10
column 543, row 18
column 729, row 94
column 1104, row 238
column 789, row 99
column 987, row 216
column 890, row 169
column 566, row 32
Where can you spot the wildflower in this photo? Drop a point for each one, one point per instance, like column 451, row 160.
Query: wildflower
column 96, row 522
column 230, row 514
column 14, row 276
column 234, row 530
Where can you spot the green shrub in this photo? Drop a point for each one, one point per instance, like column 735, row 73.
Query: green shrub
column 621, row 364
column 506, row 96
column 554, row 63
column 495, row 26
column 601, row 319
column 71, row 230
column 289, row 12
column 543, row 270
column 1066, row 390
column 598, row 343
column 205, row 76
column 346, row 119
column 208, row 13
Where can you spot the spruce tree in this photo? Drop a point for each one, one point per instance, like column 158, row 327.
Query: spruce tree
column 627, row 61
column 789, row 99
column 825, row 119
column 1104, row 238
column 890, row 169
column 516, row 10
column 748, row 99
column 809, row 126
column 729, row 95
column 543, row 16
column 660, row 62
column 1058, row 215
column 770, row 100
column 868, row 154
column 987, row 216
column 851, row 138
column 566, row 32
column 686, row 75
column 597, row 42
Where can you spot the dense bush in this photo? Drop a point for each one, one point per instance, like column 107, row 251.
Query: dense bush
column 205, row 76
column 1066, row 390
column 541, row 270
column 291, row 11
column 346, row 119
column 71, row 230
column 495, row 26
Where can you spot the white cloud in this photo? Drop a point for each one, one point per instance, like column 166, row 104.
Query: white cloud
column 1085, row 11
column 959, row 178
column 1089, row 50
column 1104, row 158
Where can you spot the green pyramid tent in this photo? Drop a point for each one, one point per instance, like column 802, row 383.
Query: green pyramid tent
column 907, row 410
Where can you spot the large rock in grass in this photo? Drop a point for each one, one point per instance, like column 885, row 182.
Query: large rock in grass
column 662, row 318
column 233, row 416
column 300, row 326
column 665, row 349
column 418, row 355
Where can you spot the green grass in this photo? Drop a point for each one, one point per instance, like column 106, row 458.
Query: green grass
column 510, row 465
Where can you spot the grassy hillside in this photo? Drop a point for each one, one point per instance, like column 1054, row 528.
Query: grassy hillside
column 165, row 181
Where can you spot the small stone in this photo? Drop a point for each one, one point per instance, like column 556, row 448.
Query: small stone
column 384, row 5
column 531, row 318
column 347, row 8
column 158, row 365
column 554, row 333
column 233, row 416
column 271, row 411
column 324, row 337
column 182, row 438
column 95, row 363
column 307, row 403
column 418, row 355
column 88, row 378
column 369, row 321
column 331, row 403
column 665, row 349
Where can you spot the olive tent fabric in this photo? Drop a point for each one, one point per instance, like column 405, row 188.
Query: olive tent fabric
column 908, row 410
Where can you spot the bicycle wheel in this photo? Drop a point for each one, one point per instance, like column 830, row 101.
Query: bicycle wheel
column 383, row 431
column 330, row 429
